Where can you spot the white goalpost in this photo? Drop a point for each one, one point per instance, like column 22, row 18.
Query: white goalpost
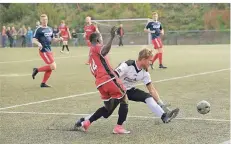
column 133, row 28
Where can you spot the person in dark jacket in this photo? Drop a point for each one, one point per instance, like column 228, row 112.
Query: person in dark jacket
column 120, row 33
column 10, row 37
column 75, row 37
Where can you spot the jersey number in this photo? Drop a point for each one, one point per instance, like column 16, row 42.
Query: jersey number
column 93, row 66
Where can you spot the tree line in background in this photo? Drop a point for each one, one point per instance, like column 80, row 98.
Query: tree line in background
column 173, row 16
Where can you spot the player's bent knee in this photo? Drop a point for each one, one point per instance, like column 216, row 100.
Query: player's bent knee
column 124, row 100
column 107, row 115
column 64, row 42
column 107, row 112
column 160, row 50
column 53, row 66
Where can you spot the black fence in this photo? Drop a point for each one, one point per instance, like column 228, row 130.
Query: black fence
column 195, row 37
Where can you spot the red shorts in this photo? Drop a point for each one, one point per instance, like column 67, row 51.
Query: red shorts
column 157, row 43
column 47, row 57
column 112, row 90
column 88, row 43
column 65, row 37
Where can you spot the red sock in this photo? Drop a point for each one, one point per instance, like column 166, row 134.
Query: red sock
column 44, row 68
column 46, row 76
column 160, row 58
column 155, row 57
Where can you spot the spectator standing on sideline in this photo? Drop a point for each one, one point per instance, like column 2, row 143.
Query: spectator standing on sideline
column 56, row 34
column 56, row 31
column 120, row 33
column 29, row 37
column 14, row 35
column 23, row 33
column 4, row 36
column 75, row 37
column 10, row 37
column 37, row 24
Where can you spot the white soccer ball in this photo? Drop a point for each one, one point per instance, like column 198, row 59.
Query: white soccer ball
column 203, row 107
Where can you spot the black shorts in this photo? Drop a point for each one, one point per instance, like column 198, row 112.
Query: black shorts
column 137, row 95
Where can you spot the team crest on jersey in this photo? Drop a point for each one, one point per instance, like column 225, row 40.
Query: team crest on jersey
column 119, row 70
column 48, row 34
column 156, row 25
column 129, row 79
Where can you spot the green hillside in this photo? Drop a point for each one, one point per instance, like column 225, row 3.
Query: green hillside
column 173, row 16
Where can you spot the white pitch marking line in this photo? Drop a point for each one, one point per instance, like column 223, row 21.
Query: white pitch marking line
column 89, row 93
column 142, row 117
column 14, row 75
column 226, row 142
column 20, row 61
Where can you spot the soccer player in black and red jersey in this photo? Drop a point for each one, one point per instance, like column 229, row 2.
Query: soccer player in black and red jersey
column 110, row 87
column 42, row 38
column 156, row 29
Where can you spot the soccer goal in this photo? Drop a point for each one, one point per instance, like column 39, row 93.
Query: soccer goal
column 133, row 28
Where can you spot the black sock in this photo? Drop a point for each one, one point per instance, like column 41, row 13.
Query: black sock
column 123, row 111
column 67, row 47
column 99, row 113
column 63, row 48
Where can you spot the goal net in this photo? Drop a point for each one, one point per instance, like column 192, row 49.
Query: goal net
column 133, row 30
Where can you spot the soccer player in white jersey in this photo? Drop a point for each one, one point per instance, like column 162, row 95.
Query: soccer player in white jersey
column 133, row 71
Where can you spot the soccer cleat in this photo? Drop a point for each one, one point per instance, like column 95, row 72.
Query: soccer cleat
column 87, row 63
column 78, row 123
column 43, row 85
column 161, row 66
column 151, row 65
column 85, row 125
column 62, row 51
column 118, row 129
column 167, row 117
column 34, row 73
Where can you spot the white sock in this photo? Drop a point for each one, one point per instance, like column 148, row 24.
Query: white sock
column 155, row 108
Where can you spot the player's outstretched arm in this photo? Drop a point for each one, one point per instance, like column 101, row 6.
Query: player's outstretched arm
column 69, row 34
column 106, row 48
column 161, row 30
column 35, row 41
column 84, row 35
column 57, row 39
column 153, row 92
column 100, row 36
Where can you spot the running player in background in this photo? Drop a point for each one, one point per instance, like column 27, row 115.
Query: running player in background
column 156, row 29
column 90, row 28
column 65, row 34
column 42, row 38
column 110, row 87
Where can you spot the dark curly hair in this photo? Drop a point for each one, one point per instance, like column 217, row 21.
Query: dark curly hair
column 94, row 37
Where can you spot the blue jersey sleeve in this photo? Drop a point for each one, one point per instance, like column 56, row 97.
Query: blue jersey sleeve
column 52, row 32
column 161, row 27
column 36, row 33
column 148, row 25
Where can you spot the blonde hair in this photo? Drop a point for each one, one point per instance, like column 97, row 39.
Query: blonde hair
column 154, row 13
column 145, row 54
column 43, row 15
